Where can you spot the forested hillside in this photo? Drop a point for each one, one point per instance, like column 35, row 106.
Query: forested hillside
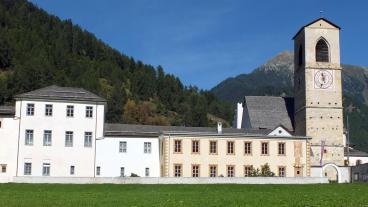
column 275, row 78
column 38, row 49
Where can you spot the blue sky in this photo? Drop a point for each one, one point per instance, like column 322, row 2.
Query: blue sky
column 206, row 41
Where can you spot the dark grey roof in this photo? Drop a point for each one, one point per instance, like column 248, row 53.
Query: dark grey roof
column 7, row 110
column 61, row 93
column 268, row 112
column 324, row 19
column 119, row 129
column 355, row 153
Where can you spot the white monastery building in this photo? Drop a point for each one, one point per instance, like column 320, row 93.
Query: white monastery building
column 61, row 131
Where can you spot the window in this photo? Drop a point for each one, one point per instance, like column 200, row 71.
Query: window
column 46, row 169
column 122, row 172
column 230, row 147
column 122, row 147
column 195, row 171
column 147, row 147
column 282, row 172
column 177, row 170
column 264, row 148
column 68, row 139
column 147, row 172
column 300, row 59
column 27, row 168
column 98, row 170
column 30, row 109
column 89, row 111
column 248, row 148
column 47, row 138
column 72, row 170
column 3, row 168
column 195, row 146
column 356, row 176
column 358, row 162
column 48, row 110
column 0, row 124
column 281, row 148
column 213, row 147
column 230, row 171
column 322, row 51
column 213, row 170
column 177, row 146
column 70, row 111
column 248, row 170
column 87, row 139
column 29, row 137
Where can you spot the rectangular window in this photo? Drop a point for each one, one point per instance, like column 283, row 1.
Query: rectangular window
column 230, row 171
column 122, row 147
column 27, row 168
column 195, row 171
column 87, row 139
column 70, row 111
column 147, row 148
column 122, row 172
column 46, row 169
column 281, row 148
column 177, row 170
column 47, row 137
column 29, row 137
column 48, row 110
column 356, row 176
column 248, row 170
column 248, row 148
column 3, row 168
column 69, row 139
column 89, row 111
column 213, row 170
column 282, row 172
column 30, row 109
column 177, row 146
column 0, row 124
column 230, row 147
column 195, row 146
column 213, row 147
column 147, row 172
column 98, row 170
column 72, row 170
column 264, row 149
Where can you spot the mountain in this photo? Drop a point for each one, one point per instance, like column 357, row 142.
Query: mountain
column 38, row 49
column 275, row 78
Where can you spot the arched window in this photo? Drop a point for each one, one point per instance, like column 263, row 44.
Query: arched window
column 322, row 51
column 300, row 60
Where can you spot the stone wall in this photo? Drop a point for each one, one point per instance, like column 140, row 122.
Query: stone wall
column 141, row 180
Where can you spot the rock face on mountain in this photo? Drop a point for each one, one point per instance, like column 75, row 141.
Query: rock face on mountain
column 275, row 78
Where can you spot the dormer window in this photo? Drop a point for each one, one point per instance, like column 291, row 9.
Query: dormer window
column 322, row 54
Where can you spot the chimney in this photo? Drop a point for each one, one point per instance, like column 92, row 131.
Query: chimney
column 219, row 127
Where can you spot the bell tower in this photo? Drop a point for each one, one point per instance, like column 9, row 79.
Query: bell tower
column 318, row 91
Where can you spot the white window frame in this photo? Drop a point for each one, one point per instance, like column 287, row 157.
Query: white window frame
column 122, row 171
column 30, row 109
column 69, row 111
column 48, row 110
column 27, row 168
column 89, row 111
column 147, row 148
column 29, row 134
column 147, row 172
column 87, row 139
column 47, row 138
column 72, row 170
column 98, row 170
column 69, row 136
column 46, row 167
column 123, row 146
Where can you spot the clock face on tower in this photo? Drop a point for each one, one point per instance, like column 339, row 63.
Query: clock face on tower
column 323, row 79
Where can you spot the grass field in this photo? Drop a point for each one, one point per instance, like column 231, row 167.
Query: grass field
column 183, row 195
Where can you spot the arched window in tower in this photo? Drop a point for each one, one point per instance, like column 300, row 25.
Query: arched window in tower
column 300, row 59
column 322, row 51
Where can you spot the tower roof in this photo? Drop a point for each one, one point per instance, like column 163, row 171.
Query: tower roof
column 323, row 19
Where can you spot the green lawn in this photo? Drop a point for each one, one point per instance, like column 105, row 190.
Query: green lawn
column 183, row 195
